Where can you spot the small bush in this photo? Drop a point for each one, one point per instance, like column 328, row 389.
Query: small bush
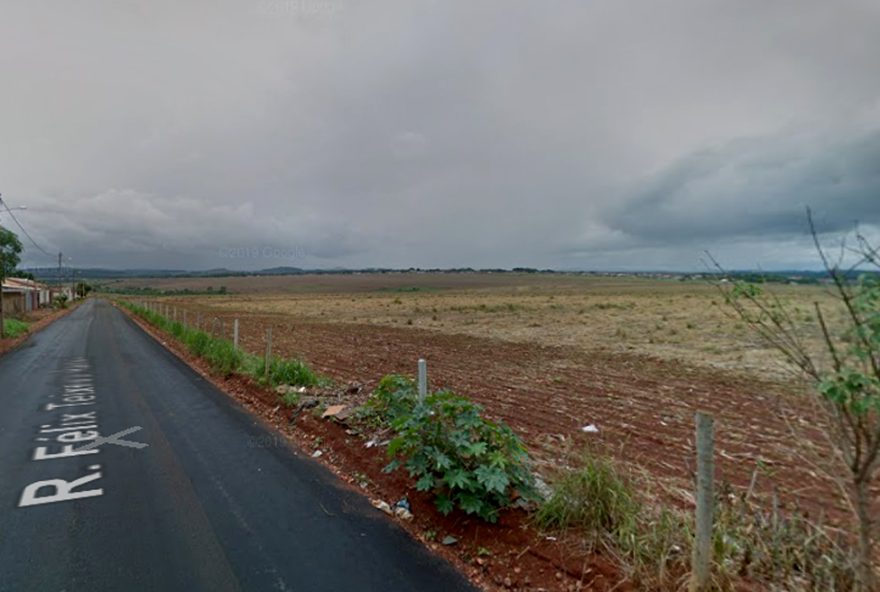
column 653, row 546
column 223, row 357
column 465, row 460
column 595, row 498
column 197, row 342
column 292, row 372
column 394, row 397
column 290, row 399
column 14, row 328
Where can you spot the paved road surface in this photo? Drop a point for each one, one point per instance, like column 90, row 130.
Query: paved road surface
column 212, row 503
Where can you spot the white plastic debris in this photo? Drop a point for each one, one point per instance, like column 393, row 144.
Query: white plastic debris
column 590, row 429
column 380, row 505
column 317, row 453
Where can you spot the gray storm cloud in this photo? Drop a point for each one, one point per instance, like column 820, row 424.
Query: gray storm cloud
column 343, row 133
column 760, row 187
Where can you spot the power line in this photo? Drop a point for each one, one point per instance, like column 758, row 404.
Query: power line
column 39, row 248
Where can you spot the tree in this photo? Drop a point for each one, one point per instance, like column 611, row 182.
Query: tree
column 10, row 248
column 845, row 377
column 83, row 288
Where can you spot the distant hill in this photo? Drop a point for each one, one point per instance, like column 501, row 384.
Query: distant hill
column 50, row 274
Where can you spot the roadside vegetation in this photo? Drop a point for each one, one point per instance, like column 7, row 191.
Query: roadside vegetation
column 13, row 328
column 450, row 450
column 844, row 372
column 476, row 466
column 779, row 547
column 224, row 358
column 10, row 251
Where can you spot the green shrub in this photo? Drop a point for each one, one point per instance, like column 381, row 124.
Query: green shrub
column 595, row 498
column 14, row 328
column 290, row 399
column 652, row 546
column 223, row 357
column 197, row 342
column 394, row 397
column 293, row 372
column 465, row 460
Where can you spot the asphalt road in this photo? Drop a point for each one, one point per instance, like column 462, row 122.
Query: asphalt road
column 213, row 502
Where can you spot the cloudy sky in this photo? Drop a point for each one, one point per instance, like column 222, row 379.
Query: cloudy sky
column 614, row 134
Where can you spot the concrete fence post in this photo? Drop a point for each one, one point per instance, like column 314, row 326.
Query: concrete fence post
column 268, row 351
column 423, row 379
column 235, row 334
column 701, row 560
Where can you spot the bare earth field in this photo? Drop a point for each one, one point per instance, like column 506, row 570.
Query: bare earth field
column 553, row 353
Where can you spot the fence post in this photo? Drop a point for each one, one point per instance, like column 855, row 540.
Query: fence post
column 268, row 351
column 423, row 379
column 235, row 334
column 184, row 318
column 701, row 560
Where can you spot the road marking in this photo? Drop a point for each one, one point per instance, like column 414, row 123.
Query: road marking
column 62, row 490
column 115, row 439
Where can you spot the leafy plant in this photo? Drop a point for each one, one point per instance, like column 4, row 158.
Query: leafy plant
column 467, row 461
column 290, row 399
column 13, row 328
column 10, row 249
column 394, row 397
